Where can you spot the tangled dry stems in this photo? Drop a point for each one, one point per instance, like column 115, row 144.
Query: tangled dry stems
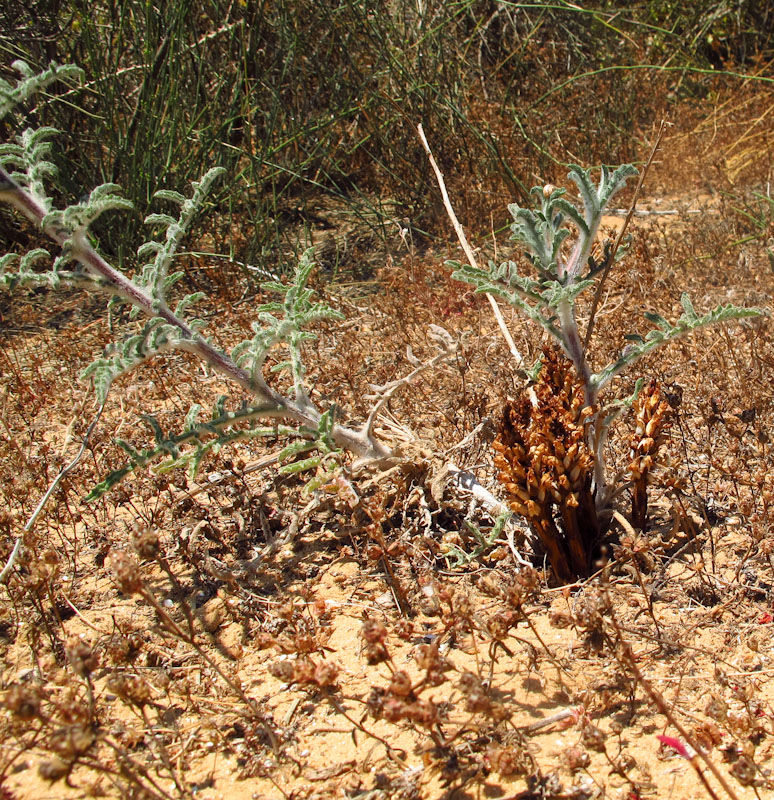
column 459, row 695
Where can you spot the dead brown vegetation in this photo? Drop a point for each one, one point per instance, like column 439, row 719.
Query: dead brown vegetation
column 237, row 637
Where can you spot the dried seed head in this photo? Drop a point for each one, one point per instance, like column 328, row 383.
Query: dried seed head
column 498, row 627
column 708, row 734
column 508, row 761
column 42, row 569
column 373, row 631
column 428, row 658
column 478, row 703
column 559, row 619
column 469, row 683
column 53, row 770
column 326, row 673
column 739, row 720
column 394, row 709
column 745, row 771
column 576, row 758
column 282, row 670
column 23, row 701
column 476, row 698
column 287, row 610
column 594, row 738
column 376, row 653
column 71, row 741
column 376, row 700
column 304, row 671
column 716, row 707
column 462, row 605
column 305, row 643
column 589, row 610
column 123, row 648
column 404, row 629
column 131, row 689
column 490, row 584
column 523, row 587
column 400, row 684
column 423, row 713
column 435, row 677
column 126, row 571
column 82, row 658
column 145, row 542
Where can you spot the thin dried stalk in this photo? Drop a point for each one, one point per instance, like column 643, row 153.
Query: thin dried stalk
column 467, row 248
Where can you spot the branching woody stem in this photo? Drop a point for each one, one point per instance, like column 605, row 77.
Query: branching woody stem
column 361, row 442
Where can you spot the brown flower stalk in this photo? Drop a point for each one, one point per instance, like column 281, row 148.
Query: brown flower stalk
column 652, row 421
column 544, row 462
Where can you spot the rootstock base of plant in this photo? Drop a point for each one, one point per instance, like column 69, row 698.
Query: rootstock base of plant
column 340, row 541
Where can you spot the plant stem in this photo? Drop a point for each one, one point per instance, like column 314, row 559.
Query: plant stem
column 360, row 442
column 575, row 349
column 43, row 500
column 627, row 656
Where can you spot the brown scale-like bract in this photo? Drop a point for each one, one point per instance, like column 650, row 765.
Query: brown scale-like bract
column 653, row 419
column 544, row 463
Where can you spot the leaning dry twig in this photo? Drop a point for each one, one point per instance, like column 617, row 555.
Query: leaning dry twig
column 631, row 663
column 467, row 248
column 382, row 394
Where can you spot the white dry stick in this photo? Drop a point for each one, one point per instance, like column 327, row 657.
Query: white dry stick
column 447, row 347
column 467, row 248
column 43, row 500
column 468, row 481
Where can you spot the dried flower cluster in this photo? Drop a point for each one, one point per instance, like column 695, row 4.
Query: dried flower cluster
column 653, row 414
column 401, row 699
column 306, row 672
column 546, row 466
